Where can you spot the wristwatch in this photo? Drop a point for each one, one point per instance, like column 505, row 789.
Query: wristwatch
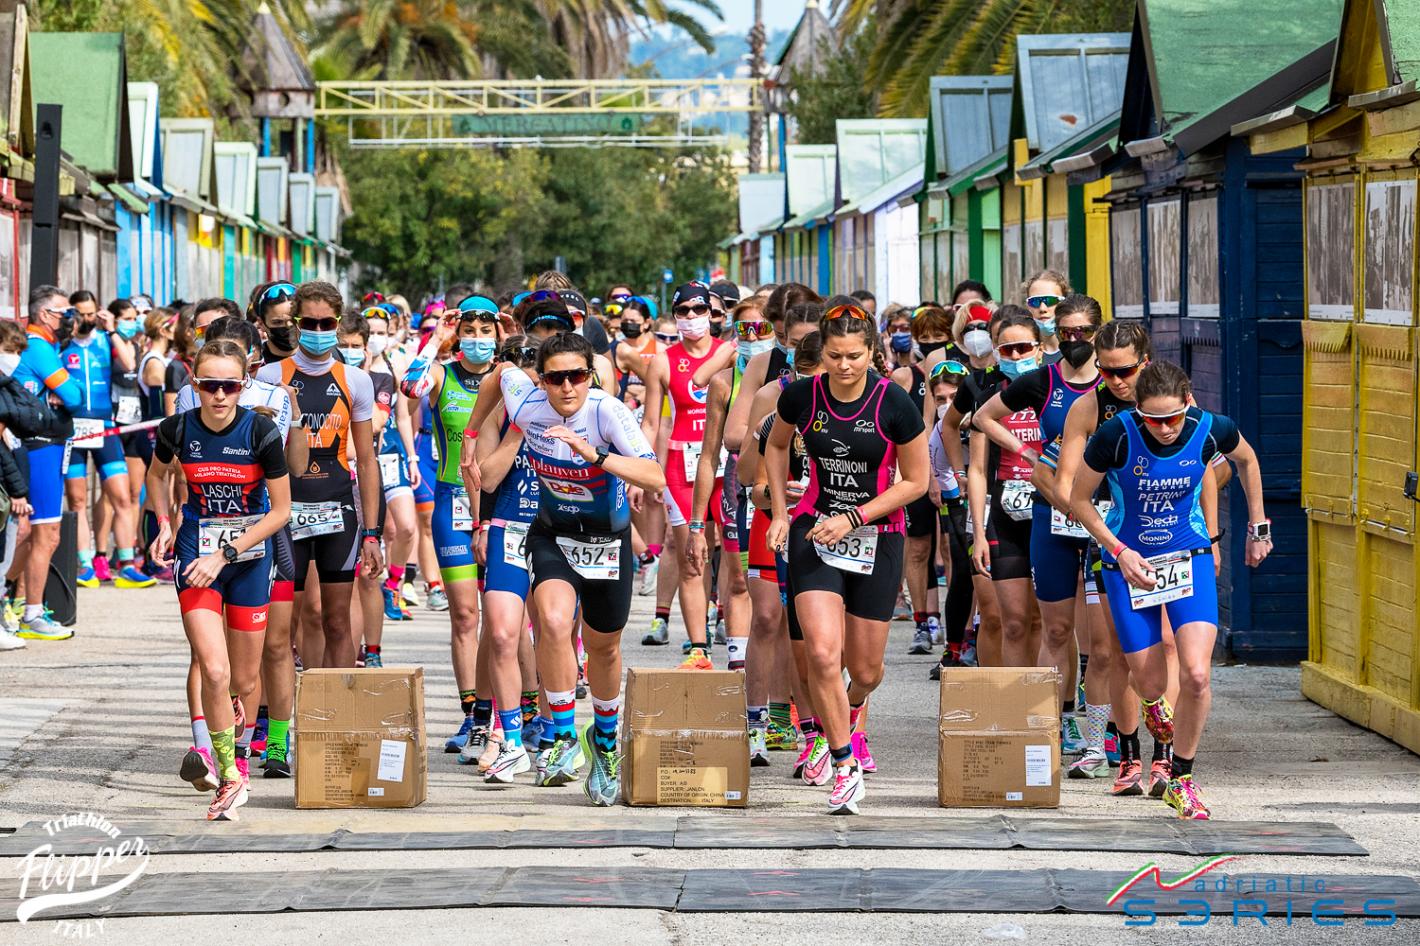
column 1260, row 531
column 229, row 552
column 602, row 454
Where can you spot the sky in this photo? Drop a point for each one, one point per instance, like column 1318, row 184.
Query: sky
column 739, row 14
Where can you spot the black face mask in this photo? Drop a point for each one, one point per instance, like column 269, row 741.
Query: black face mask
column 282, row 337
column 631, row 329
column 84, row 327
column 1076, row 353
column 717, row 327
column 929, row 347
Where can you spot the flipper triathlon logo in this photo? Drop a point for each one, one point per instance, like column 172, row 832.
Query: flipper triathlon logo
column 50, row 881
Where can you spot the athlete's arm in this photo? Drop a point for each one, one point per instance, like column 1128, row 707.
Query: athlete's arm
column 124, row 355
column 776, row 468
column 987, row 419
column 758, row 408
column 717, row 399
column 737, row 424
column 633, row 460
column 490, row 395
column 496, row 457
column 721, row 358
column 978, row 499
column 1250, row 475
column 1080, row 422
column 425, row 374
column 56, row 378
column 657, row 380
column 951, row 426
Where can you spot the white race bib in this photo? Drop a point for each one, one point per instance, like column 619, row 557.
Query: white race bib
column 515, row 544
column 309, row 520
column 1066, row 525
column 129, row 410
column 1173, row 579
column 724, row 459
column 462, row 515
column 690, row 455
column 88, row 433
column 212, row 534
column 1017, row 499
column 854, row 552
column 595, row 559
column 389, row 468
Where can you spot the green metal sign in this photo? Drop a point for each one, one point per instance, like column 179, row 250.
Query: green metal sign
column 569, row 124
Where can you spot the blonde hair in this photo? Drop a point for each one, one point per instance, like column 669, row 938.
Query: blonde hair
column 552, row 279
column 960, row 319
column 1046, row 275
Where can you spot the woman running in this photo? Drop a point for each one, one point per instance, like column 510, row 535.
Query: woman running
column 238, row 496
column 945, row 381
column 845, row 542
column 1158, row 555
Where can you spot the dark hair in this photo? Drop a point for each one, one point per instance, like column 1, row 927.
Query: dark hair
column 353, row 323
column 1124, row 333
column 39, row 295
column 565, row 343
column 1079, row 304
column 319, row 291
column 12, row 334
column 640, row 305
column 182, row 335
column 971, row 285
column 457, row 293
column 786, row 295
column 809, row 351
column 82, row 295
column 529, row 311
column 238, row 330
column 800, row 313
column 258, row 304
column 228, row 307
column 863, row 295
column 1162, row 379
column 845, row 326
column 118, row 306
column 220, row 348
column 838, row 299
column 1013, row 316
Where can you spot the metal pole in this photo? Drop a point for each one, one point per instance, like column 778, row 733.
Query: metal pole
column 44, row 240
column 266, row 137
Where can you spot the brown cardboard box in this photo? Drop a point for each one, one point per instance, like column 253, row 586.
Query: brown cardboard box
column 999, row 738
column 360, row 739
column 684, row 741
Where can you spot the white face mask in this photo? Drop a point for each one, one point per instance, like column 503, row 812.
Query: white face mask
column 9, row 362
column 942, row 410
column 694, row 328
column 377, row 344
column 977, row 343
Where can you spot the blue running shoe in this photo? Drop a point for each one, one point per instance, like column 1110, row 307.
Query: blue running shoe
column 532, row 731
column 559, row 764
column 603, row 783
column 130, row 577
column 456, row 742
column 393, row 612
column 87, row 578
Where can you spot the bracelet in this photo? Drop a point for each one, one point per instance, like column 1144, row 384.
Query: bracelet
column 369, row 534
column 470, row 434
column 163, row 520
column 1117, row 549
column 697, row 525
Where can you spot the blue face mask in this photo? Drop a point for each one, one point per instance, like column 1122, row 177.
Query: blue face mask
column 1047, row 327
column 748, row 349
column 353, row 356
column 128, row 328
column 318, row 343
column 1014, row 369
column 901, row 342
column 478, row 350
column 784, row 348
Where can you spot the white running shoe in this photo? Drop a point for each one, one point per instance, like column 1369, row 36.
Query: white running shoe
column 9, row 641
column 758, row 749
column 512, row 760
column 647, row 576
column 848, row 789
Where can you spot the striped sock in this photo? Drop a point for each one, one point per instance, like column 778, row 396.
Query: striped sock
column 779, row 714
column 224, row 749
column 735, row 653
column 564, row 713
column 809, row 724
column 1096, row 719
column 512, row 723
column 604, row 731
column 201, row 738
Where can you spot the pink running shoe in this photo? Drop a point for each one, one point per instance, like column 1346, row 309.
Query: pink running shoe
column 804, row 754
column 244, row 768
column 848, row 789
column 231, row 795
column 199, row 770
column 1158, row 718
column 817, row 770
column 863, row 754
column 101, row 570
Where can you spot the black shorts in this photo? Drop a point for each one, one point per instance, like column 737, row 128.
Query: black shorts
column 870, row 596
column 284, row 554
column 921, row 517
column 138, row 445
column 1010, row 544
column 335, row 554
column 606, row 605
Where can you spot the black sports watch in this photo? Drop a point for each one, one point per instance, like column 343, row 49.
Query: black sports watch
column 602, row 454
column 229, row 552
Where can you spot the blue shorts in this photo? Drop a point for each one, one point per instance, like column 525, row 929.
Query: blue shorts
column 108, row 457
column 46, row 482
column 1056, row 561
column 428, row 469
column 1142, row 629
column 240, row 584
column 398, row 484
column 453, row 547
column 502, row 574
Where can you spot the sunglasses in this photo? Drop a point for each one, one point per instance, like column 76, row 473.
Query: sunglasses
column 1035, row 302
column 681, row 311
column 622, row 297
column 68, row 312
column 319, row 325
column 667, row 339
column 1124, row 373
column 754, row 331
column 1163, row 420
column 953, row 368
column 372, row 298
column 574, row 376
column 213, row 385
column 612, row 309
column 282, row 290
column 1076, row 333
column 521, row 356
column 375, row 312
column 1016, row 349
column 846, row 312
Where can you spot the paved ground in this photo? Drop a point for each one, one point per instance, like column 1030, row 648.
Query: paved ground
column 98, row 724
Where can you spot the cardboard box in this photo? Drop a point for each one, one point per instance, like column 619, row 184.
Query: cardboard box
column 999, row 738
column 360, row 739
column 684, row 741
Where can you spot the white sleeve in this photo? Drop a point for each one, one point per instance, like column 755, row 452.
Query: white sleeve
column 517, row 389
column 362, row 394
column 186, row 399
column 270, row 373
column 619, row 428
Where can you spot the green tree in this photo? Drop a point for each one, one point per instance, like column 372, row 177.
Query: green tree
column 819, row 98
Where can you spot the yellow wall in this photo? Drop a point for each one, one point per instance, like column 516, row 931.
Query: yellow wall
column 1097, row 244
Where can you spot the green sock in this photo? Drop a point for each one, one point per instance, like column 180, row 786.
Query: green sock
column 779, row 714
column 276, row 738
column 86, row 558
column 224, row 747
column 125, row 556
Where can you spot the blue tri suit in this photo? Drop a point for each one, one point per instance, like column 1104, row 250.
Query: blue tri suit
column 89, row 361
column 42, row 374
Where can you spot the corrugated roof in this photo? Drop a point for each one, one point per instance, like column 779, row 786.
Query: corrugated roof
column 810, row 176
column 872, row 151
column 1069, row 81
column 970, row 118
column 1101, row 132
column 86, row 74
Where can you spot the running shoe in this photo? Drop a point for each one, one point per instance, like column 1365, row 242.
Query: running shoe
column 11, row 613
column 130, row 577
column 758, row 752
column 409, row 594
column 198, row 770
column 921, row 641
column 1160, row 772
column 816, row 768
column 1184, row 797
column 862, row 753
column 697, row 659
column 512, row 760
column 9, row 640
column 1158, row 717
column 277, row 768
column 101, row 568
column 720, row 632
column 163, row 573
column 474, row 745
column 900, row 610
column 258, row 738
column 560, row 765
column 437, row 600
column 373, row 661
column 244, row 765
column 968, row 655
column 456, row 742
column 1127, row 781
column 1072, row 742
column 1111, row 748
column 660, row 633
column 1093, row 764
column 393, row 612
column 646, row 576
column 532, row 731
column 803, row 758
column 935, row 626
column 685, row 645
column 231, row 795
column 495, row 744
column 86, row 578
column 603, row 782
column 848, row 789
column 781, row 738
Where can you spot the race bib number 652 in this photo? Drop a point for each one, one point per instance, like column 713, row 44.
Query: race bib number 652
column 594, row 559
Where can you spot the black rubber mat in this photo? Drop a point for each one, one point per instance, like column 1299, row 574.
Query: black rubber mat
column 993, row 832
column 895, row 890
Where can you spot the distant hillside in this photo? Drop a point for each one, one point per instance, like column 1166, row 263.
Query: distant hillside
column 679, row 58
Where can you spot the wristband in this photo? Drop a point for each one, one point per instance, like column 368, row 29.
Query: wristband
column 163, row 520
column 1117, row 549
column 470, row 434
column 855, row 518
column 697, row 525
column 369, row 534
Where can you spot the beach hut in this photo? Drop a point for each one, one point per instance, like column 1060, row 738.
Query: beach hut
column 242, row 253
column 272, row 195
column 871, row 153
column 189, row 179
column 302, row 209
column 17, row 112
column 761, row 211
column 804, row 241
